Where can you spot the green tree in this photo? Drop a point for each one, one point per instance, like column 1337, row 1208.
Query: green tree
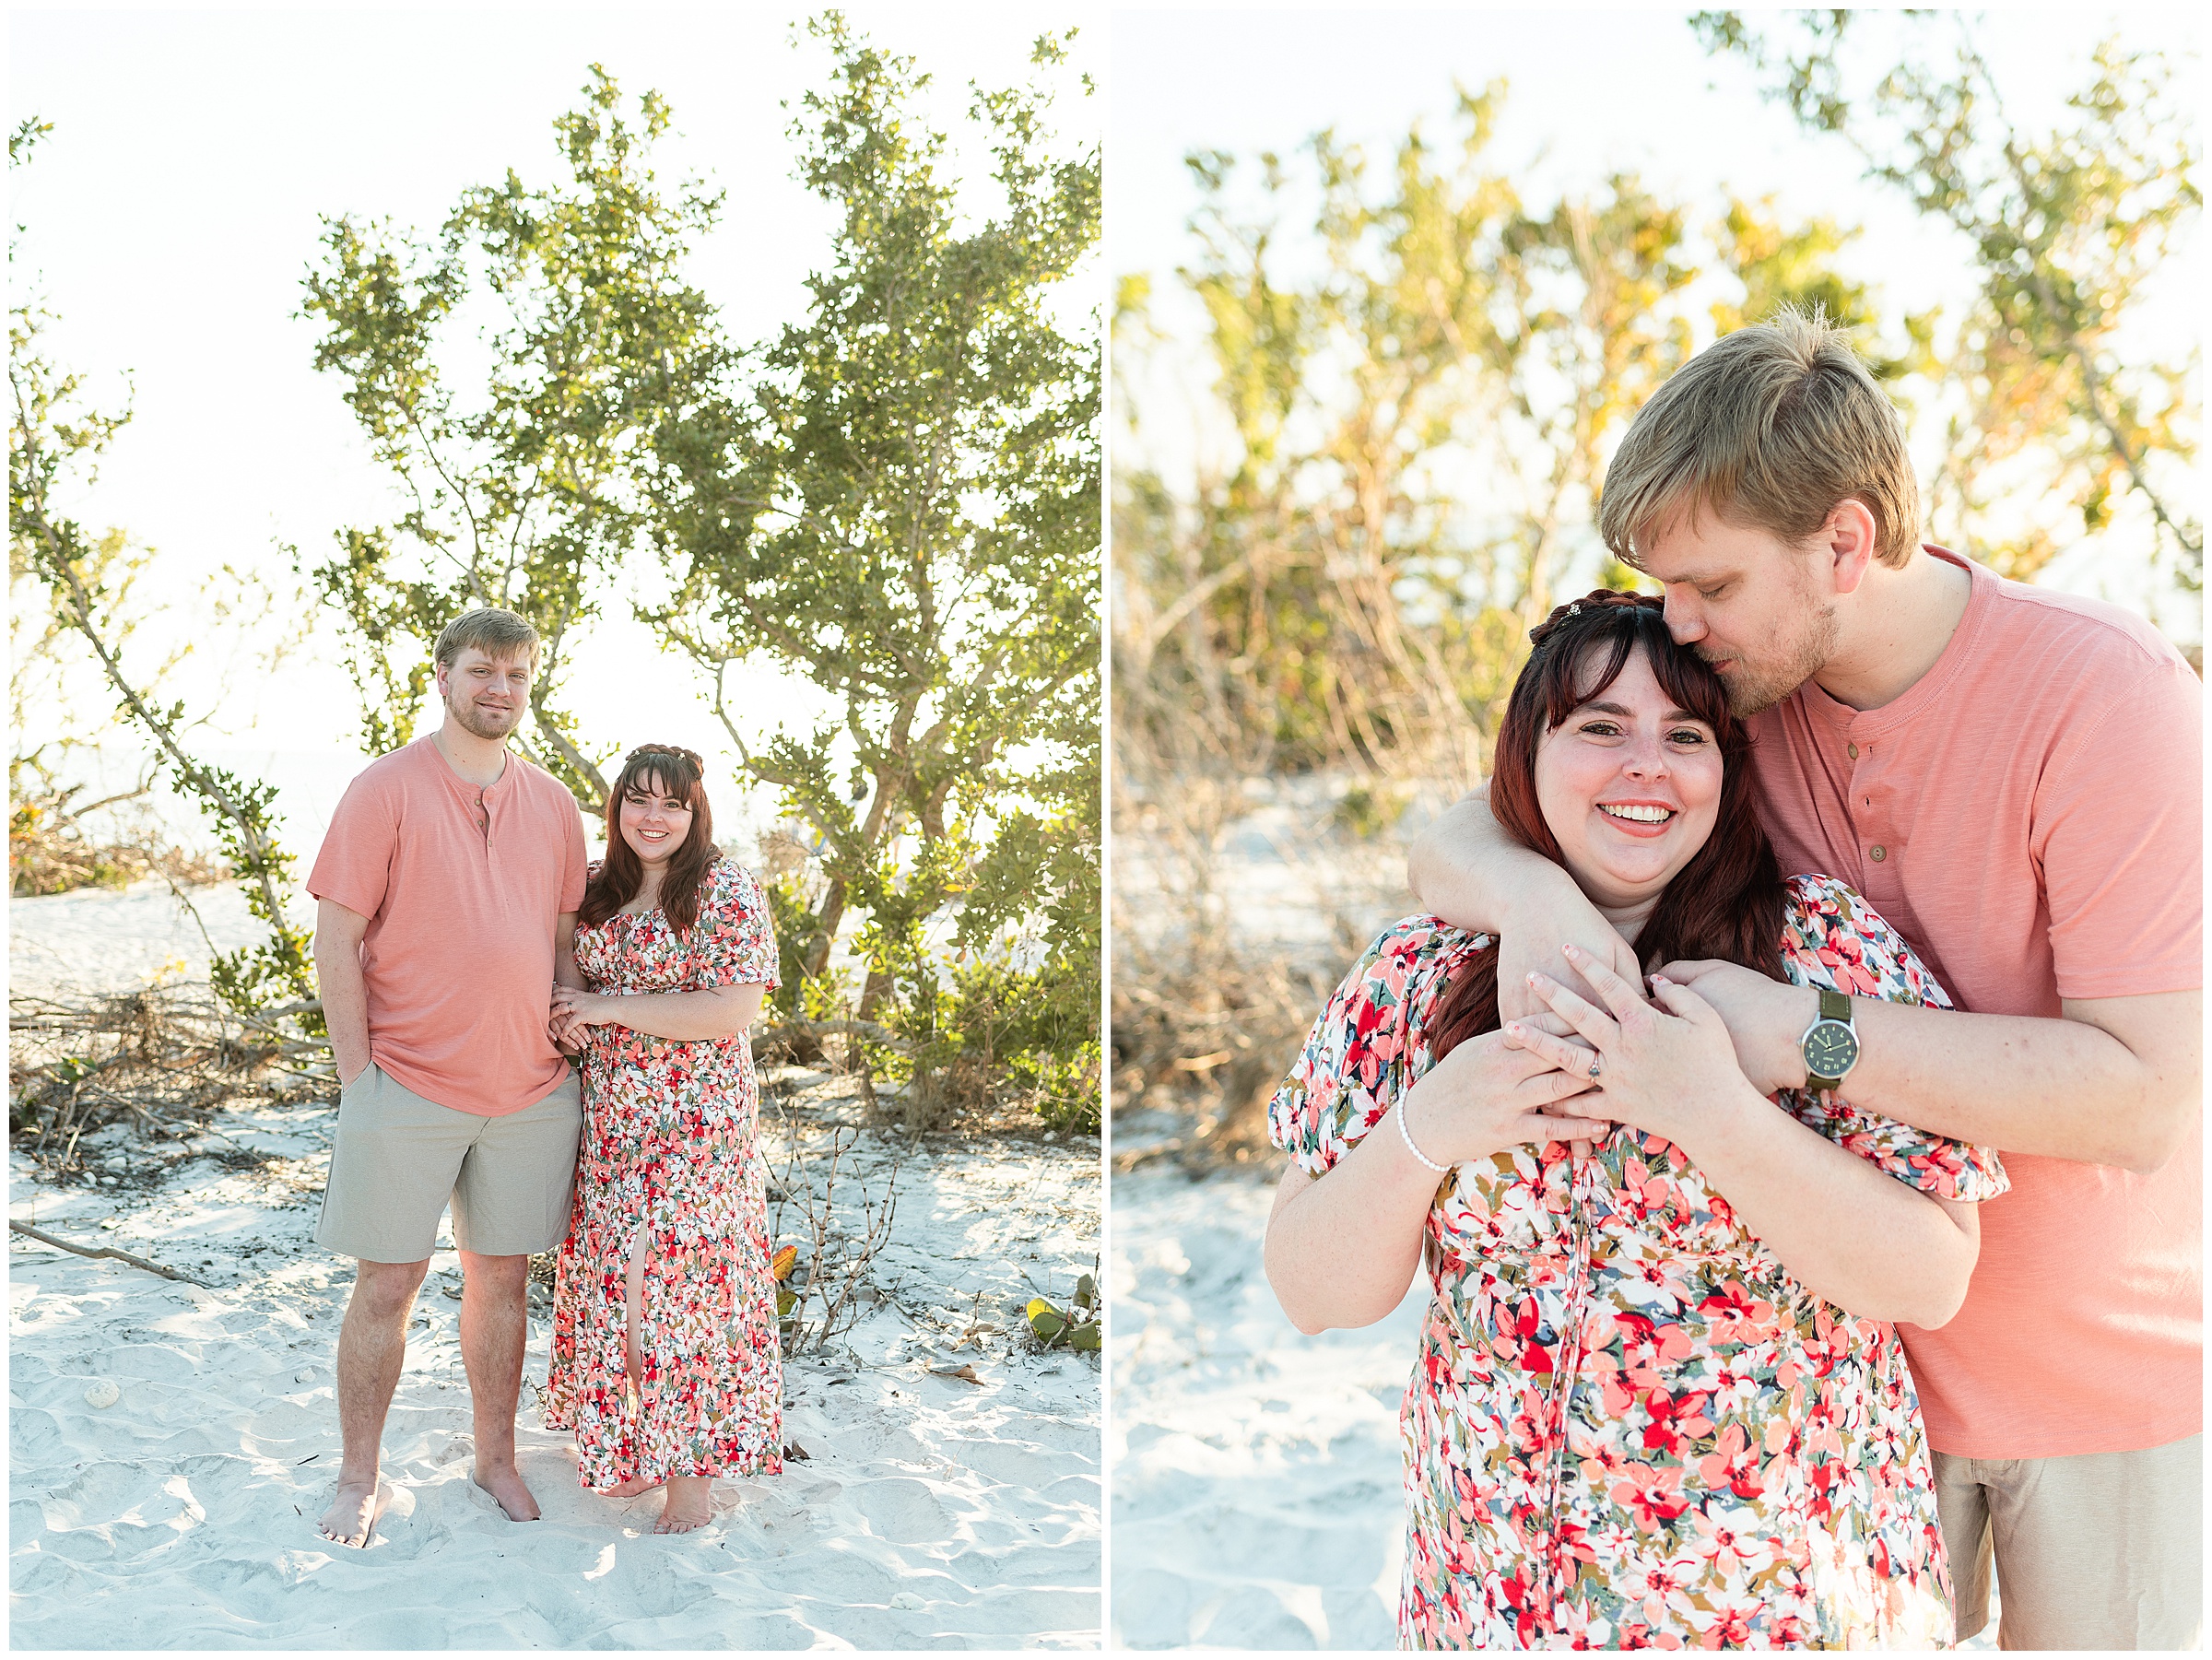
column 516, row 495
column 2066, row 227
column 54, row 443
column 898, row 499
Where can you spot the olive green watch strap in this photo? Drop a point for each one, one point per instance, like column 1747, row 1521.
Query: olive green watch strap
column 1822, row 1053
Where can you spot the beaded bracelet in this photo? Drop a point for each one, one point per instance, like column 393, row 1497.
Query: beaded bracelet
column 1406, row 1135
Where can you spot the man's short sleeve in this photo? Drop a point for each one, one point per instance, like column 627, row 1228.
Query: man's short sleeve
column 2119, row 835
column 354, row 863
column 573, row 860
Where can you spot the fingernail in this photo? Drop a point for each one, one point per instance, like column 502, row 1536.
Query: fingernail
column 1513, row 1027
column 1574, row 950
column 1536, row 979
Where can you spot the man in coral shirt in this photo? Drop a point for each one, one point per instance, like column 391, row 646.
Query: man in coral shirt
column 2013, row 778
column 447, row 889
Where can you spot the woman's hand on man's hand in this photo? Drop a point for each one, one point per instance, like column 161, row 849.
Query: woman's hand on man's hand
column 1533, row 948
column 1490, row 1094
column 1766, row 1019
column 1668, row 1071
column 572, row 1011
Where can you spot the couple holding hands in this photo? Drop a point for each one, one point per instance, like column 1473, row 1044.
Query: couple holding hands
column 452, row 890
column 1794, row 1098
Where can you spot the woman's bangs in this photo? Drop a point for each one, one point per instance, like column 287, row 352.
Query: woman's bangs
column 1694, row 687
column 659, row 775
column 1562, row 674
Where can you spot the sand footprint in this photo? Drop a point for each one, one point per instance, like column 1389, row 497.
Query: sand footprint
column 902, row 1512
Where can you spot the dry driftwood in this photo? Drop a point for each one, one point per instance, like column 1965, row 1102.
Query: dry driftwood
column 122, row 1257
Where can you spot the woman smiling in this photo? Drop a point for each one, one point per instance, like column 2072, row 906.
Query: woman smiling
column 666, row 1360
column 1659, row 1399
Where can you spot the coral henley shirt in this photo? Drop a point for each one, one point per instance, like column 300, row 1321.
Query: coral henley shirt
column 2029, row 816
column 463, row 888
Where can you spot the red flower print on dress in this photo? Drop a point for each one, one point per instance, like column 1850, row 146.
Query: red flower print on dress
column 670, row 1141
column 1624, row 1408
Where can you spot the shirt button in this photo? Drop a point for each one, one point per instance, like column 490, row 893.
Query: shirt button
column 1880, row 853
column 1854, row 750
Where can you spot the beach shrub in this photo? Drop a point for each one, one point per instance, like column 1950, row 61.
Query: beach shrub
column 1076, row 1326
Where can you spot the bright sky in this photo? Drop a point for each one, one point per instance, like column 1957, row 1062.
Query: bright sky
column 1591, row 92
column 170, row 214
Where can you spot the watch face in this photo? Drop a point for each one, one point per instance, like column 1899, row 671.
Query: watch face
column 1832, row 1049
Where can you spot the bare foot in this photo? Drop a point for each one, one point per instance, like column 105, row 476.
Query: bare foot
column 690, row 1504
column 351, row 1517
column 506, row 1485
column 625, row 1490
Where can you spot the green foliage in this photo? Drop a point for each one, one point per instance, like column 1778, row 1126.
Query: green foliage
column 1781, row 266
column 897, row 500
column 518, row 494
column 797, row 929
column 1065, row 1088
column 55, row 443
column 2064, row 229
column 1076, row 1326
column 979, row 1025
column 1367, row 811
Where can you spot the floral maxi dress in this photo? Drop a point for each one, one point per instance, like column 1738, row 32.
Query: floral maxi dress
column 669, row 1143
column 1627, row 1425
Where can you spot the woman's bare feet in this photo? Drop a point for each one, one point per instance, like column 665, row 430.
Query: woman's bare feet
column 351, row 1518
column 625, row 1490
column 505, row 1484
column 690, row 1504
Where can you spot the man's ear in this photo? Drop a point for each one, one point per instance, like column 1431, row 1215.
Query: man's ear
column 1848, row 537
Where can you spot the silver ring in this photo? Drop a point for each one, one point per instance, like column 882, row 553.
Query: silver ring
column 1594, row 1062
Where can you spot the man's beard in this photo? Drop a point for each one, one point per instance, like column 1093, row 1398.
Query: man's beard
column 1754, row 690
column 472, row 722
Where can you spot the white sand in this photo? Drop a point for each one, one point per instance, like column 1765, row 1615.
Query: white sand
column 934, row 1513
column 1255, row 1470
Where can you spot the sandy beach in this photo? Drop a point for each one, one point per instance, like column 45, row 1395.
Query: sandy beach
column 1255, row 1470
column 929, row 1512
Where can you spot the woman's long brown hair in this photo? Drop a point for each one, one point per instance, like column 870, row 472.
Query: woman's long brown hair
column 655, row 770
column 1726, row 902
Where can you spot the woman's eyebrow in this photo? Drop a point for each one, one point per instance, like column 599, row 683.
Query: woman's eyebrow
column 1627, row 714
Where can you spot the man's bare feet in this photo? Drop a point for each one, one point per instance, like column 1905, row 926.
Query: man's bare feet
column 505, row 1484
column 690, row 1504
column 351, row 1518
column 625, row 1490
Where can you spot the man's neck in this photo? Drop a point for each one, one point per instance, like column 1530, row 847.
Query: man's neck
column 479, row 761
column 1895, row 627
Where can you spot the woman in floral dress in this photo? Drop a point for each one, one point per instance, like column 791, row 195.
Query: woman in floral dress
column 665, row 1355
column 1659, row 1400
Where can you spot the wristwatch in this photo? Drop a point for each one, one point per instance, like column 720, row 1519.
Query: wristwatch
column 1831, row 1044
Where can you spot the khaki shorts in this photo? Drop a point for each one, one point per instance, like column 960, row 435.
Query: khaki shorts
column 2101, row 1550
column 399, row 1158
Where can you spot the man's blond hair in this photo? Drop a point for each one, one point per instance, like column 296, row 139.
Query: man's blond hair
column 492, row 630
column 1771, row 426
